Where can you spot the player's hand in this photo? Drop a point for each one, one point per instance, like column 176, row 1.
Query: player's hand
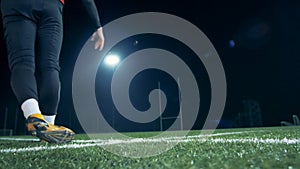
column 99, row 38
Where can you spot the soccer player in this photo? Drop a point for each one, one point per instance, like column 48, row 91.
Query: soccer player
column 33, row 33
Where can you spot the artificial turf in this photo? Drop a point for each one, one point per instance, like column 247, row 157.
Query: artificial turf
column 214, row 152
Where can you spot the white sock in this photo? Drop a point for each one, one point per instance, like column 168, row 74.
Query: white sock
column 29, row 107
column 50, row 119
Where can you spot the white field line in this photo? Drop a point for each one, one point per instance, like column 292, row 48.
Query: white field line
column 40, row 148
column 81, row 144
column 163, row 138
column 99, row 140
column 257, row 140
column 18, row 139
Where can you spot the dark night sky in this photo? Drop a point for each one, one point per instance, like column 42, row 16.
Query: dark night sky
column 263, row 65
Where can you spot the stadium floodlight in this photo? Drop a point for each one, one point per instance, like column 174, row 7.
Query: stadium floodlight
column 112, row 60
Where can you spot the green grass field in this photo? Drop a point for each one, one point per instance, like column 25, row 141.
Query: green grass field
column 259, row 148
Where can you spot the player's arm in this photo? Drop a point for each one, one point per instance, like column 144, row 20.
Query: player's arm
column 92, row 12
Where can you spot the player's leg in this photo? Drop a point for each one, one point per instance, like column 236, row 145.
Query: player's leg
column 49, row 38
column 20, row 33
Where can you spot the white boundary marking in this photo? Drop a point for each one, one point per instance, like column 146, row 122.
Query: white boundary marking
column 196, row 138
column 93, row 141
column 18, row 139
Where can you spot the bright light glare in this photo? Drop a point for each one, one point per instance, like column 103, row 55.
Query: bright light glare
column 112, row 60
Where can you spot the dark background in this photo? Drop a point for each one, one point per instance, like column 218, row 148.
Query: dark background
column 257, row 41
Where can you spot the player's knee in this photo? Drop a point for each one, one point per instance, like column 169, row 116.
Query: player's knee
column 22, row 61
column 22, row 65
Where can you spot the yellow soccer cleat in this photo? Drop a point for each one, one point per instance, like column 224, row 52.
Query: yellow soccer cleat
column 39, row 127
